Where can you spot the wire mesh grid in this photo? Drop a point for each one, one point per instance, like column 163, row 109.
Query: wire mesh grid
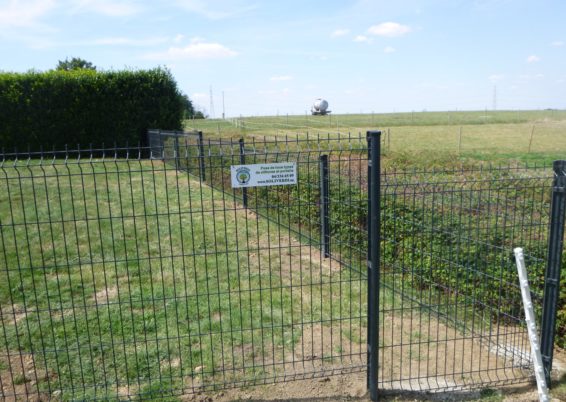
column 140, row 271
column 126, row 276
column 452, row 316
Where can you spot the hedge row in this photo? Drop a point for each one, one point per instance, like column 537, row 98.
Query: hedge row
column 55, row 108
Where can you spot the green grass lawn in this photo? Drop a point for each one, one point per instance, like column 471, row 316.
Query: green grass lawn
column 126, row 277
column 121, row 277
column 419, row 137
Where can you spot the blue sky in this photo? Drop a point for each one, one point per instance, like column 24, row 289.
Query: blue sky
column 270, row 57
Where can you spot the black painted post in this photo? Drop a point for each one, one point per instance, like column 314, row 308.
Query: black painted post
column 201, row 156
column 177, row 164
column 554, row 261
column 243, row 162
column 161, row 145
column 374, row 235
column 324, row 206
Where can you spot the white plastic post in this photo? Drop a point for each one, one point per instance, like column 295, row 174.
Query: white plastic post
column 531, row 325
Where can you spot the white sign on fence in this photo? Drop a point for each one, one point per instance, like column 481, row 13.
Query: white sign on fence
column 264, row 174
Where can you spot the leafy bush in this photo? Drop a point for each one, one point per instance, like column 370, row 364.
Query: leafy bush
column 56, row 108
column 457, row 257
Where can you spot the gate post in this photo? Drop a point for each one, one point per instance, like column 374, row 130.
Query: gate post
column 243, row 162
column 554, row 262
column 374, row 236
column 324, row 201
column 201, row 156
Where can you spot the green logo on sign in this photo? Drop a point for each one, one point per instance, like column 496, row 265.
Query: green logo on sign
column 243, row 175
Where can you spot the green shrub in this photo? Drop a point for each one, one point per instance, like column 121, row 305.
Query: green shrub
column 457, row 257
column 57, row 108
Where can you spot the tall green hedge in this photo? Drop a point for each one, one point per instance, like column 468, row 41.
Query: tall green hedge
column 55, row 108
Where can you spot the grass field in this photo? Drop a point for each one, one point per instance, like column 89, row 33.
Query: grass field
column 125, row 277
column 421, row 137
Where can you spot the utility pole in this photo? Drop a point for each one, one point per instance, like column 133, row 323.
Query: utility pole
column 223, row 109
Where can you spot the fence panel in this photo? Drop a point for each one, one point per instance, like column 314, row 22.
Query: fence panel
column 453, row 315
column 142, row 272
column 124, row 276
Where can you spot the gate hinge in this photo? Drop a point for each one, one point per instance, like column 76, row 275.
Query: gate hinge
column 369, row 162
column 369, row 264
column 551, row 281
column 559, row 189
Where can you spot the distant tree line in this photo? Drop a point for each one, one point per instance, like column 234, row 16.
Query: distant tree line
column 75, row 64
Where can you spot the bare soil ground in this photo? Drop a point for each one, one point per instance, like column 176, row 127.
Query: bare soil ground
column 21, row 377
column 352, row 387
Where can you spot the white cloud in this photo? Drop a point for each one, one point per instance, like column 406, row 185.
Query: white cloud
column 22, row 14
column 434, row 86
column 389, row 29
column 109, row 8
column 389, row 49
column 362, row 39
column 340, row 32
column 533, row 59
column 557, row 43
column 197, row 49
column 199, row 97
column 284, row 92
column 496, row 77
column 527, row 77
column 178, row 38
column 281, row 78
column 124, row 41
column 216, row 10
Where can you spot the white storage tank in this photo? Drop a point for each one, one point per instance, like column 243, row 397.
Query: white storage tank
column 320, row 107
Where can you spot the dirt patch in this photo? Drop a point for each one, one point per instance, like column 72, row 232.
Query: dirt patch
column 13, row 314
column 426, row 354
column 105, row 295
column 19, row 379
column 414, row 362
column 127, row 392
column 313, row 355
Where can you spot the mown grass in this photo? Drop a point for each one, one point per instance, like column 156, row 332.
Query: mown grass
column 108, row 280
column 524, row 136
column 124, row 277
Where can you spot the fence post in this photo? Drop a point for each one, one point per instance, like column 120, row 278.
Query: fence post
column 161, row 145
column 374, row 235
column 324, row 201
column 201, row 156
column 554, row 261
column 177, row 164
column 243, row 162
